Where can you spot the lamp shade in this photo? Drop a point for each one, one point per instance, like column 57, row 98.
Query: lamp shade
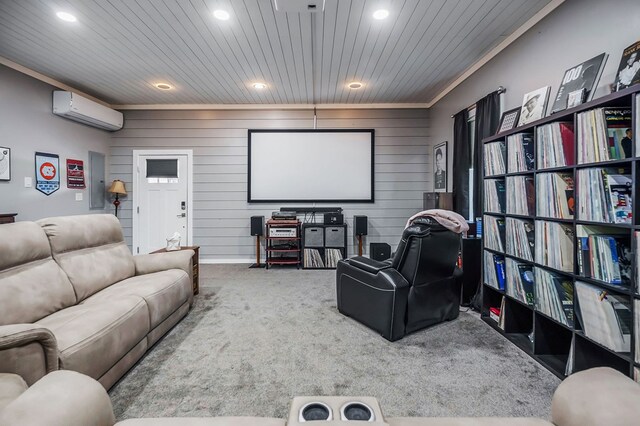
column 117, row 187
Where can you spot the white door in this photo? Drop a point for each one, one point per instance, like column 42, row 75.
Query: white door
column 162, row 196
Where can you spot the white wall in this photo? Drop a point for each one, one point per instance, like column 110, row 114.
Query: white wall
column 219, row 141
column 576, row 31
column 27, row 125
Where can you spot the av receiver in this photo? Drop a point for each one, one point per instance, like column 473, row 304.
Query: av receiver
column 283, row 232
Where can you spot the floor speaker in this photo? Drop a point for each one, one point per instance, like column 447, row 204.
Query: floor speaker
column 471, row 258
column 360, row 225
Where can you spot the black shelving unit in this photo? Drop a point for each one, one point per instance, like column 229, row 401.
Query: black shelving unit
column 320, row 237
column 544, row 338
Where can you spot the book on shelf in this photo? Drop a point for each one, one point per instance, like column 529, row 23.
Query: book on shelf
column 332, row 256
column 520, row 281
column 494, row 158
column 637, row 328
column 502, row 314
column 521, row 195
column 605, row 195
column 494, row 195
column 313, row 259
column 494, row 233
column 555, row 195
column 555, row 145
column 604, row 254
column 520, row 153
column 568, row 369
column 602, row 133
column 520, row 238
column 554, row 245
column 605, row 317
column 494, row 270
column 554, row 296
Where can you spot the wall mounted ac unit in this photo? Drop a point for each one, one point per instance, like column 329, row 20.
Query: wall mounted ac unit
column 77, row 108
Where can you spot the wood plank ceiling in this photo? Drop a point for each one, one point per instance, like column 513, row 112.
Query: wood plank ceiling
column 118, row 49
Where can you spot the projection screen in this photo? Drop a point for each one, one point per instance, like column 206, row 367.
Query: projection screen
column 323, row 165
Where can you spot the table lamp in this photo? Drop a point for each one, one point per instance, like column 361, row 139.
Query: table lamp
column 117, row 187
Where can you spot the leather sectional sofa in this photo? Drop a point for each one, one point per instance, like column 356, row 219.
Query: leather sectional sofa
column 75, row 297
column 596, row 397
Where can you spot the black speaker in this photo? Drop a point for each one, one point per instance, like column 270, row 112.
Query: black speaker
column 257, row 225
column 471, row 259
column 360, row 226
column 333, row 218
column 379, row 251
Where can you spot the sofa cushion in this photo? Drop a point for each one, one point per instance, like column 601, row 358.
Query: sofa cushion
column 11, row 387
column 90, row 249
column 163, row 291
column 466, row 421
column 32, row 285
column 92, row 338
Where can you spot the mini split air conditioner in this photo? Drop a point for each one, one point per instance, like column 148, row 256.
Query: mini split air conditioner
column 77, row 108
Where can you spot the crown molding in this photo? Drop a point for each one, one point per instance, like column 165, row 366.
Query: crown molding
column 38, row 76
column 268, row 106
column 550, row 7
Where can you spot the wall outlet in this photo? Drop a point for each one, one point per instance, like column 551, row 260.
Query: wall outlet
column 28, row 182
column 78, row 196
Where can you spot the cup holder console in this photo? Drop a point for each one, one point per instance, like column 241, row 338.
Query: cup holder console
column 314, row 411
column 357, row 411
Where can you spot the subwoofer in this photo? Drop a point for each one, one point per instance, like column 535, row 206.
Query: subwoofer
column 379, row 251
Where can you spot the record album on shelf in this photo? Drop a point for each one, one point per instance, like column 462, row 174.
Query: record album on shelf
column 583, row 77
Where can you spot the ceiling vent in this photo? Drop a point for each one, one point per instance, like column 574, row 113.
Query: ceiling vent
column 299, row 6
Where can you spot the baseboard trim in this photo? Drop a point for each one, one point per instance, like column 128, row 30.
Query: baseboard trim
column 225, row 261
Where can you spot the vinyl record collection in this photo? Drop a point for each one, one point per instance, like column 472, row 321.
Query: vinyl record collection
column 494, row 273
column 521, row 157
column 602, row 135
column 556, row 189
column 312, row 259
column 494, row 233
column 520, row 281
column 520, row 238
column 555, row 145
column 554, row 245
column 494, row 159
column 554, row 296
column 605, row 317
column 332, row 256
column 605, row 195
column 516, row 203
column 494, row 195
column 604, row 254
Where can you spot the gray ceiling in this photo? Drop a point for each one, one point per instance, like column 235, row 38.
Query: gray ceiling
column 118, row 48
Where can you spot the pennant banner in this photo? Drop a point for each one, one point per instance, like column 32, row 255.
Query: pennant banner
column 47, row 173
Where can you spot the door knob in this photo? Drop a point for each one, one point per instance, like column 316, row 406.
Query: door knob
column 182, row 215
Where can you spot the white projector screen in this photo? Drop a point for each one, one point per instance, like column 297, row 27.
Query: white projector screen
column 310, row 165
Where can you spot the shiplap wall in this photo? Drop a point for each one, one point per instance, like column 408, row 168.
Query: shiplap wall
column 221, row 216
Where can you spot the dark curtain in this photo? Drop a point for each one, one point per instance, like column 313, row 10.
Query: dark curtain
column 487, row 119
column 461, row 163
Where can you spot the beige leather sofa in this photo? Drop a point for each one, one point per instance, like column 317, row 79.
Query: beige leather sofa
column 596, row 397
column 76, row 299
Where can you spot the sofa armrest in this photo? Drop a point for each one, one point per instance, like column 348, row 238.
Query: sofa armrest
column 29, row 350
column 62, row 398
column 596, row 397
column 156, row 262
column 367, row 264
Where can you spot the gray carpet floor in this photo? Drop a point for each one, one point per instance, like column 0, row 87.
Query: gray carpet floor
column 256, row 338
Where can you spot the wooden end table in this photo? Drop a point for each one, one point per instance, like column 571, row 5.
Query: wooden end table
column 196, row 264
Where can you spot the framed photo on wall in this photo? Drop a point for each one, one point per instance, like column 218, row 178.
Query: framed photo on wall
column 5, row 164
column 440, row 167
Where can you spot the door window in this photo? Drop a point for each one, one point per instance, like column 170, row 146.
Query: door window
column 162, row 171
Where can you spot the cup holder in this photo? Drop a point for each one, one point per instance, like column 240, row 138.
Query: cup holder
column 357, row 411
column 315, row 411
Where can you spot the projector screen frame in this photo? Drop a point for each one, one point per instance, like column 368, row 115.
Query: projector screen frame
column 370, row 131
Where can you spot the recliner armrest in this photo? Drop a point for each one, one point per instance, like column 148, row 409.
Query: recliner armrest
column 156, row 262
column 367, row 264
column 29, row 350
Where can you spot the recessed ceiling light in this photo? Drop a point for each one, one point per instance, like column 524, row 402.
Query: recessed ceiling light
column 163, row 86
column 354, row 85
column 67, row 17
column 222, row 15
column 380, row 14
column 259, row 86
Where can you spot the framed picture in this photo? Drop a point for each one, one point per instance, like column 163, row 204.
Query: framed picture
column 585, row 77
column 629, row 69
column 5, row 164
column 440, row 167
column 534, row 104
column 509, row 120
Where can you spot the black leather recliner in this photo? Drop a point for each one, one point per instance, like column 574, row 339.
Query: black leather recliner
column 416, row 288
